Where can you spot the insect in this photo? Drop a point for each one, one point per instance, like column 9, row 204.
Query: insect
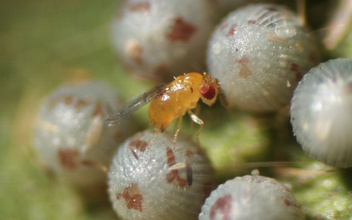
column 174, row 100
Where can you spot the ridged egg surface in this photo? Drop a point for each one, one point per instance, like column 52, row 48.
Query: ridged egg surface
column 71, row 135
column 160, row 180
column 163, row 38
column 321, row 112
column 258, row 54
column 251, row 197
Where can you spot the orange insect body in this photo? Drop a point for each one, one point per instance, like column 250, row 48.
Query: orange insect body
column 180, row 95
column 174, row 100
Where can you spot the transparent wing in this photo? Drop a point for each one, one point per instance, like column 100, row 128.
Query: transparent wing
column 136, row 104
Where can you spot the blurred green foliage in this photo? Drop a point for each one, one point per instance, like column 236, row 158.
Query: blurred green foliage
column 44, row 44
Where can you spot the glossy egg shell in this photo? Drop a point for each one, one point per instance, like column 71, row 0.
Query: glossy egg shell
column 258, row 54
column 162, row 39
column 251, row 197
column 321, row 112
column 71, row 135
column 159, row 181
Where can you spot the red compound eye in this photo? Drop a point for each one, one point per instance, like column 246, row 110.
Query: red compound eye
column 208, row 91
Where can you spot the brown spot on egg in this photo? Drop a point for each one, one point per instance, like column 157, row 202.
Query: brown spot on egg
column 180, row 30
column 139, row 7
column 67, row 158
column 170, row 157
column 232, row 30
column 174, row 175
column 295, row 68
column 132, row 196
column 189, row 153
column 244, row 70
column 223, row 205
column 139, row 145
column 287, row 203
column 81, row 103
column 134, row 51
column 68, row 100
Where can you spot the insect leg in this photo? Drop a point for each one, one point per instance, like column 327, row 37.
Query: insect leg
column 156, row 132
column 179, row 123
column 198, row 121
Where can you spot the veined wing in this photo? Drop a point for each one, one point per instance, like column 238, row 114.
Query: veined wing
column 136, row 104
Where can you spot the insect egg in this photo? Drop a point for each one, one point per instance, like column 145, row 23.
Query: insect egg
column 258, row 53
column 321, row 112
column 71, row 135
column 251, row 197
column 160, row 38
column 160, row 180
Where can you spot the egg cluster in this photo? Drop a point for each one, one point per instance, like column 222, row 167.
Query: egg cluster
column 255, row 57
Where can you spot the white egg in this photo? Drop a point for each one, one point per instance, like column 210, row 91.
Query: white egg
column 251, row 197
column 71, row 135
column 161, row 39
column 159, row 180
column 258, row 54
column 321, row 112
